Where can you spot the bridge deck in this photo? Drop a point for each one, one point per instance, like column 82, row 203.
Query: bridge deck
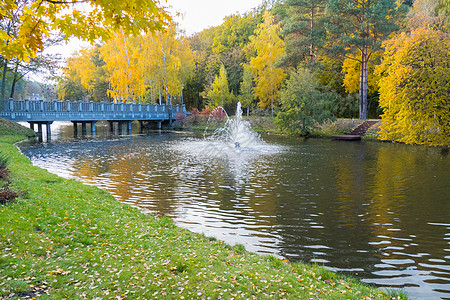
column 49, row 111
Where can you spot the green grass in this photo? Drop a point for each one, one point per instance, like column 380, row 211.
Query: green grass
column 66, row 240
column 11, row 132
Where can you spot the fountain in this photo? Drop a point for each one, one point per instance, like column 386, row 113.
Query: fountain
column 234, row 143
column 236, row 132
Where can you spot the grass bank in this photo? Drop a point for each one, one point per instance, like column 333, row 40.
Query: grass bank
column 67, row 240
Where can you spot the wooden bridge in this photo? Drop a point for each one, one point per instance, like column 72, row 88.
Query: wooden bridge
column 39, row 112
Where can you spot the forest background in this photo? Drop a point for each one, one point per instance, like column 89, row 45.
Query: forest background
column 301, row 61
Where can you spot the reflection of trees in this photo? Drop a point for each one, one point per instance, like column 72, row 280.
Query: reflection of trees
column 364, row 202
column 87, row 168
column 155, row 186
column 322, row 215
column 135, row 176
column 403, row 191
column 410, row 191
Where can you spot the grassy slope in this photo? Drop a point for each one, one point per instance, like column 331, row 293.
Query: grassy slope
column 10, row 131
column 69, row 240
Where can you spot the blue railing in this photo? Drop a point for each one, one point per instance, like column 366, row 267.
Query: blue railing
column 45, row 111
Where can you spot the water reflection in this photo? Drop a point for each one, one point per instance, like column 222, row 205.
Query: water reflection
column 376, row 211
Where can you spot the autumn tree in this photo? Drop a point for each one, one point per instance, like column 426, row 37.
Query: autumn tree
column 18, row 67
column 361, row 26
column 139, row 68
column 78, row 75
column 84, row 76
column 230, row 40
column 219, row 92
column 123, row 58
column 36, row 20
column 235, row 32
column 269, row 48
column 168, row 61
column 414, row 88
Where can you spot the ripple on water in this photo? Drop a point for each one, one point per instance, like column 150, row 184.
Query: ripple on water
column 309, row 200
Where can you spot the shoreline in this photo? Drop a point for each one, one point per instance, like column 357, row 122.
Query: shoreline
column 66, row 239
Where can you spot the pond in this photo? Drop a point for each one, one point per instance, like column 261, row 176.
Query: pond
column 376, row 211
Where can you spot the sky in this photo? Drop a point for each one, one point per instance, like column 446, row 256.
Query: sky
column 202, row 14
column 196, row 16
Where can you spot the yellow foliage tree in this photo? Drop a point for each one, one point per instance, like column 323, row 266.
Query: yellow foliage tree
column 123, row 59
column 352, row 77
column 269, row 48
column 168, row 61
column 79, row 70
column 219, row 92
column 414, row 88
column 84, row 19
column 137, row 67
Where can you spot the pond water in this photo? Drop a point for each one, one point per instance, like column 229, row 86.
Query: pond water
column 377, row 211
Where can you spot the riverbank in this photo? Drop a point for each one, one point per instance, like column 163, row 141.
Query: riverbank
column 70, row 240
column 266, row 124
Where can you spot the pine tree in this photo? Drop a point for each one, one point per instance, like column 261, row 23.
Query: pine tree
column 361, row 25
column 304, row 30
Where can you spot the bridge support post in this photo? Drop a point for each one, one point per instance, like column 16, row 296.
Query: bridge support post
column 159, row 124
column 75, row 129
column 40, row 131
column 128, row 127
column 93, row 127
column 170, row 115
column 111, row 127
column 49, row 131
column 119, row 126
column 32, row 126
column 141, row 126
column 83, row 128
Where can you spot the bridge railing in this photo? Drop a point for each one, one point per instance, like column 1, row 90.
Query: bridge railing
column 32, row 110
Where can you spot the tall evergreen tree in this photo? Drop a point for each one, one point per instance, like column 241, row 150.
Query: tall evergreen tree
column 361, row 25
column 304, row 30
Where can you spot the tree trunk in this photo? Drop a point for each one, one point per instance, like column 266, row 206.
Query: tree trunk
column 5, row 66
column 125, row 48
column 13, row 85
column 311, row 46
column 160, row 97
column 271, row 86
column 5, row 69
column 363, row 85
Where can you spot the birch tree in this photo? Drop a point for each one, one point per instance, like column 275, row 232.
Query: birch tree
column 168, row 61
column 246, row 95
column 269, row 48
column 123, row 57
